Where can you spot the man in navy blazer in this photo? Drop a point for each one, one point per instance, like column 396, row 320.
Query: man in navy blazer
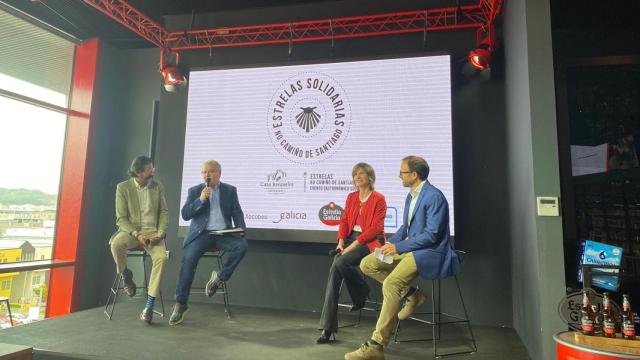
column 211, row 206
column 421, row 246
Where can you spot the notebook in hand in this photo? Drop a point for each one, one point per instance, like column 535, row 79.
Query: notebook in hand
column 225, row 231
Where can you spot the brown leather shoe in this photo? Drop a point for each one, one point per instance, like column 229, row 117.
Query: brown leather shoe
column 129, row 286
column 410, row 305
column 366, row 352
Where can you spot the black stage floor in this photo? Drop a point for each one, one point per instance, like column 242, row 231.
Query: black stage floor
column 252, row 333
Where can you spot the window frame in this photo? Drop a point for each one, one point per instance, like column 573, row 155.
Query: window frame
column 65, row 265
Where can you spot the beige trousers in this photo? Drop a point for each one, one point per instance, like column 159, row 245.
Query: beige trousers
column 123, row 241
column 396, row 279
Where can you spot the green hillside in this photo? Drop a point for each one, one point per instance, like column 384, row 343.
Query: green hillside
column 26, row 196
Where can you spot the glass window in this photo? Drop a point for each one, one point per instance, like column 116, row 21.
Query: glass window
column 34, row 64
column 27, row 294
column 40, row 60
column 32, row 142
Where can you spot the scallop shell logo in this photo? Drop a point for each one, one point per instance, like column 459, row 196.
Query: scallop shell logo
column 308, row 118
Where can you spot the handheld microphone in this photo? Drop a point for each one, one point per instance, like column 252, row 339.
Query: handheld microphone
column 334, row 252
column 208, row 181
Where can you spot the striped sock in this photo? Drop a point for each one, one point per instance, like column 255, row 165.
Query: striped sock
column 150, row 301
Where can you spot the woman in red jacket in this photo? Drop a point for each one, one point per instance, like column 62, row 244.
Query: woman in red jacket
column 361, row 223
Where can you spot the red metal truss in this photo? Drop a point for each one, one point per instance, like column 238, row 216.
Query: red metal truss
column 327, row 29
column 491, row 9
column 132, row 19
column 471, row 16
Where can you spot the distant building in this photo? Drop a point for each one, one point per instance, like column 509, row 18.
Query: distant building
column 26, row 216
column 26, row 288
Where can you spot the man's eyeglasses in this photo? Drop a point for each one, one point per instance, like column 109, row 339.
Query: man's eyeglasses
column 404, row 172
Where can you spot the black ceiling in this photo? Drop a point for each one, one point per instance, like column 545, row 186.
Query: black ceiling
column 594, row 14
column 160, row 8
column 84, row 22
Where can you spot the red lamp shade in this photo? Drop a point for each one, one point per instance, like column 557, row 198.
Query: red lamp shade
column 173, row 78
column 480, row 57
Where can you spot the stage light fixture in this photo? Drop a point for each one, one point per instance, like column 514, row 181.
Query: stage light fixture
column 173, row 78
column 480, row 57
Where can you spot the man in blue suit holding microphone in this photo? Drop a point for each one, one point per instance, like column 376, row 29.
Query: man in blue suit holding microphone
column 211, row 207
column 421, row 246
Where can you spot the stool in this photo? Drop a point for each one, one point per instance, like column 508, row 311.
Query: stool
column 376, row 303
column 437, row 318
column 382, row 239
column 217, row 254
column 118, row 282
column 6, row 301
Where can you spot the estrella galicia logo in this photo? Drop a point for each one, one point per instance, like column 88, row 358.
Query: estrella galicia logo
column 309, row 118
column 277, row 182
column 330, row 214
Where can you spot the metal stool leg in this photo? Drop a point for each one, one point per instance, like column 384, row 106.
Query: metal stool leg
column 466, row 315
column 144, row 273
column 357, row 323
column 113, row 294
column 435, row 308
column 161, row 305
column 118, row 283
column 438, row 318
column 225, row 292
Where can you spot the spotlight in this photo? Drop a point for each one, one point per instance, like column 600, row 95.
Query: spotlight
column 480, row 57
column 173, row 78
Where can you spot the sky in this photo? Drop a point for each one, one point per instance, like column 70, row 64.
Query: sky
column 31, row 138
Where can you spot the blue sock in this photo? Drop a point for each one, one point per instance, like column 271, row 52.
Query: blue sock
column 150, row 301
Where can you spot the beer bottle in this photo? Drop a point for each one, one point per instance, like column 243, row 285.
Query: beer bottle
column 628, row 325
column 608, row 321
column 587, row 319
column 597, row 318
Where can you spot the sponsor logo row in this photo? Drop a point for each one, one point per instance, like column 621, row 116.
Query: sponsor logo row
column 329, row 214
column 278, row 182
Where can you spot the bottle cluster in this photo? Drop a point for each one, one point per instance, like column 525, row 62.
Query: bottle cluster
column 605, row 321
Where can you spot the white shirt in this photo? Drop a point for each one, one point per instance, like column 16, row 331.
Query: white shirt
column 216, row 220
column 147, row 217
column 415, row 193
